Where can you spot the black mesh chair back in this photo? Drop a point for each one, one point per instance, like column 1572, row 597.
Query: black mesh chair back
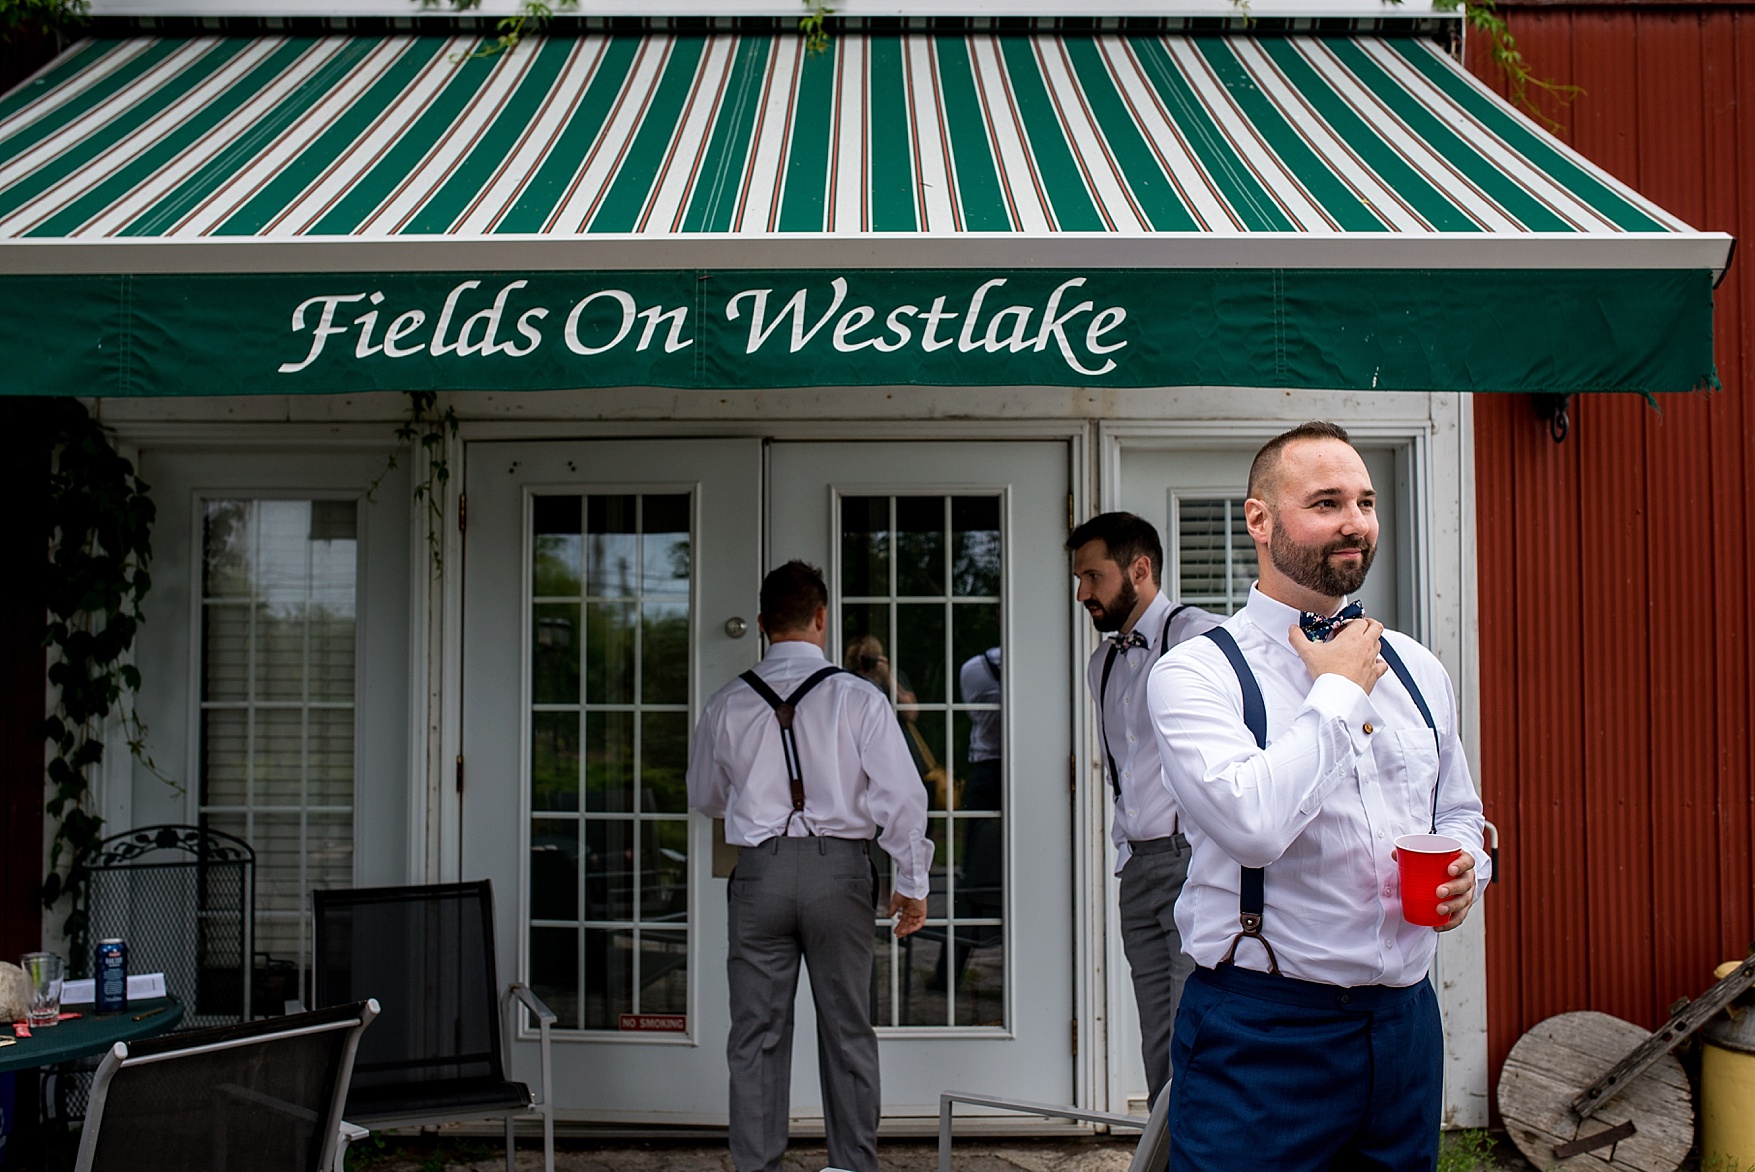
column 426, row 954
column 264, row 1096
column 184, row 899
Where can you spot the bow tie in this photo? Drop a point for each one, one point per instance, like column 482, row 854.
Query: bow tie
column 1131, row 639
column 1320, row 629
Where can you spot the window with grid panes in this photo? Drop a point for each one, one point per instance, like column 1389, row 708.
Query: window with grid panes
column 1215, row 557
column 609, row 688
column 278, row 648
column 920, row 601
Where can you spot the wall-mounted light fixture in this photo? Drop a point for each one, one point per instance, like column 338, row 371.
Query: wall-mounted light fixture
column 1556, row 410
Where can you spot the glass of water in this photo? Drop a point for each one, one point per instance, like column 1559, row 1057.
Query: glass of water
column 45, row 971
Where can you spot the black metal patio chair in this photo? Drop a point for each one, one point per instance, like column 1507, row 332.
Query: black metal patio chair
column 265, row 1095
column 438, row 1054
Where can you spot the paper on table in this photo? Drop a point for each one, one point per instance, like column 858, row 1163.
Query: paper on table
column 140, row 987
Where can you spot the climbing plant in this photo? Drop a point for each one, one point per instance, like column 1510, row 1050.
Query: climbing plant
column 1502, row 49
column 41, row 16
column 813, row 26
column 530, row 18
column 427, row 432
column 99, row 524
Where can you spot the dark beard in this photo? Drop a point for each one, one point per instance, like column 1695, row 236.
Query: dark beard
column 1311, row 569
column 1111, row 616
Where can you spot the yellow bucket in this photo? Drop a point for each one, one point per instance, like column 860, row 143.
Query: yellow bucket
column 1727, row 1089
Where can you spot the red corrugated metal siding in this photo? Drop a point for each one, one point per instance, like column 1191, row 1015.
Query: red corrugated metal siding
column 1614, row 570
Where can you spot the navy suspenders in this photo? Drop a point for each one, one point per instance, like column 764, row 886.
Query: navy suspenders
column 1103, row 694
column 1251, row 895
column 784, row 710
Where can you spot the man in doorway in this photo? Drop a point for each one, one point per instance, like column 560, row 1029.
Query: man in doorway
column 806, row 764
column 1309, row 1034
column 1119, row 563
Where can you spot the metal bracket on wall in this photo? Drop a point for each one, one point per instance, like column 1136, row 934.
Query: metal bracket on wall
column 1556, row 409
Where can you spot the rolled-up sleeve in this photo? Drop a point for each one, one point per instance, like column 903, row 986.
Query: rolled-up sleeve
column 1252, row 802
column 895, row 796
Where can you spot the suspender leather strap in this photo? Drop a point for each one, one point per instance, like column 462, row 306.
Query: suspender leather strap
column 1391, row 657
column 784, row 711
column 1251, row 890
column 1103, row 694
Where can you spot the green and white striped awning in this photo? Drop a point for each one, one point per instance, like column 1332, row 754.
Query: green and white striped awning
column 1289, row 159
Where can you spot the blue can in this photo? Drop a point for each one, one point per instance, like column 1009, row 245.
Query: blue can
column 112, row 976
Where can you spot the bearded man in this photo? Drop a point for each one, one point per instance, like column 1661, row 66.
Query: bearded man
column 1118, row 562
column 1308, row 1036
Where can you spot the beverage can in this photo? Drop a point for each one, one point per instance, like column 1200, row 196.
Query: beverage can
column 112, row 976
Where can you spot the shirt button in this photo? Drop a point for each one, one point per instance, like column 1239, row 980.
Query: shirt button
column 1380, row 834
column 1130, row 738
column 1369, row 728
column 1388, row 890
column 1389, row 943
column 1127, row 697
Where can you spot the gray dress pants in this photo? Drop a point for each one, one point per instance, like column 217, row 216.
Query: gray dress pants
column 1150, row 883
column 808, row 898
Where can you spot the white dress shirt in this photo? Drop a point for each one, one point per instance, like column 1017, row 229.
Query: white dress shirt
column 1146, row 808
column 859, row 781
column 1344, row 773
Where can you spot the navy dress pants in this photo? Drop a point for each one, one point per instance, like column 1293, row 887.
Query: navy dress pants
column 1280, row 1075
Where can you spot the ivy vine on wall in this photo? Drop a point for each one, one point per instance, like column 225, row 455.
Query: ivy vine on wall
column 100, row 550
column 428, row 431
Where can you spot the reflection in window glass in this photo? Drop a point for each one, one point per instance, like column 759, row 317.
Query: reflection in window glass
column 921, row 618
column 278, row 637
column 609, row 685
column 1215, row 556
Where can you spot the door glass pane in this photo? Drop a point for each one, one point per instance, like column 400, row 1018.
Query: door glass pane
column 922, row 619
column 276, row 758
column 609, row 664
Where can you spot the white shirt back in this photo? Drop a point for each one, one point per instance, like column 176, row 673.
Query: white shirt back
column 859, row 781
column 1319, row 808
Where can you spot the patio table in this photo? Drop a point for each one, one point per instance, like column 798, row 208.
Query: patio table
column 91, row 1034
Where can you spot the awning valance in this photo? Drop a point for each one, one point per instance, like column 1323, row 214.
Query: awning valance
column 272, row 214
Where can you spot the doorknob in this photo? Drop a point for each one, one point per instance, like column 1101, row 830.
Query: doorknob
column 737, row 628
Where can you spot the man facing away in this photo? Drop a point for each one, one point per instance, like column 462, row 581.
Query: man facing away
column 1308, row 1036
column 1119, row 561
column 805, row 777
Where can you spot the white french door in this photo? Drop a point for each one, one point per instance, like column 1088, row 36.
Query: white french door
column 601, row 581
column 947, row 587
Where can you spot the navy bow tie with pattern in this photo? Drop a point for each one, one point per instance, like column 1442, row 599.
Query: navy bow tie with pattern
column 1131, row 639
column 1320, row 628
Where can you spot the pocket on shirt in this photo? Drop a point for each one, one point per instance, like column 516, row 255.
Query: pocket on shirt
column 1417, row 762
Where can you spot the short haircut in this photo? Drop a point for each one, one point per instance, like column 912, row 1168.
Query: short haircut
column 1126, row 536
column 1267, row 461
column 791, row 595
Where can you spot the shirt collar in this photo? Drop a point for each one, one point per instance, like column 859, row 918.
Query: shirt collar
column 1274, row 618
column 795, row 649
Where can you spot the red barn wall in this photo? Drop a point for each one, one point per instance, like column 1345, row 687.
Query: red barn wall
column 1614, row 573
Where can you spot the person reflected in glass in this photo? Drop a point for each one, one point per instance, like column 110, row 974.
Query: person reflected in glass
column 865, row 658
column 980, row 885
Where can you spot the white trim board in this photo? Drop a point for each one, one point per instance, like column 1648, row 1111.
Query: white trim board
column 847, row 251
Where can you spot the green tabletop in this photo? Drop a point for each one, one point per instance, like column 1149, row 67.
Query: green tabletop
column 91, row 1034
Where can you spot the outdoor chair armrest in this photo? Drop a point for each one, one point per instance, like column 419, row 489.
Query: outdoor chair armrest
column 544, row 1105
column 533, row 1003
column 351, row 1133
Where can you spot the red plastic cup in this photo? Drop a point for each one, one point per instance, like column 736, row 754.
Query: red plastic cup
column 1424, row 862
